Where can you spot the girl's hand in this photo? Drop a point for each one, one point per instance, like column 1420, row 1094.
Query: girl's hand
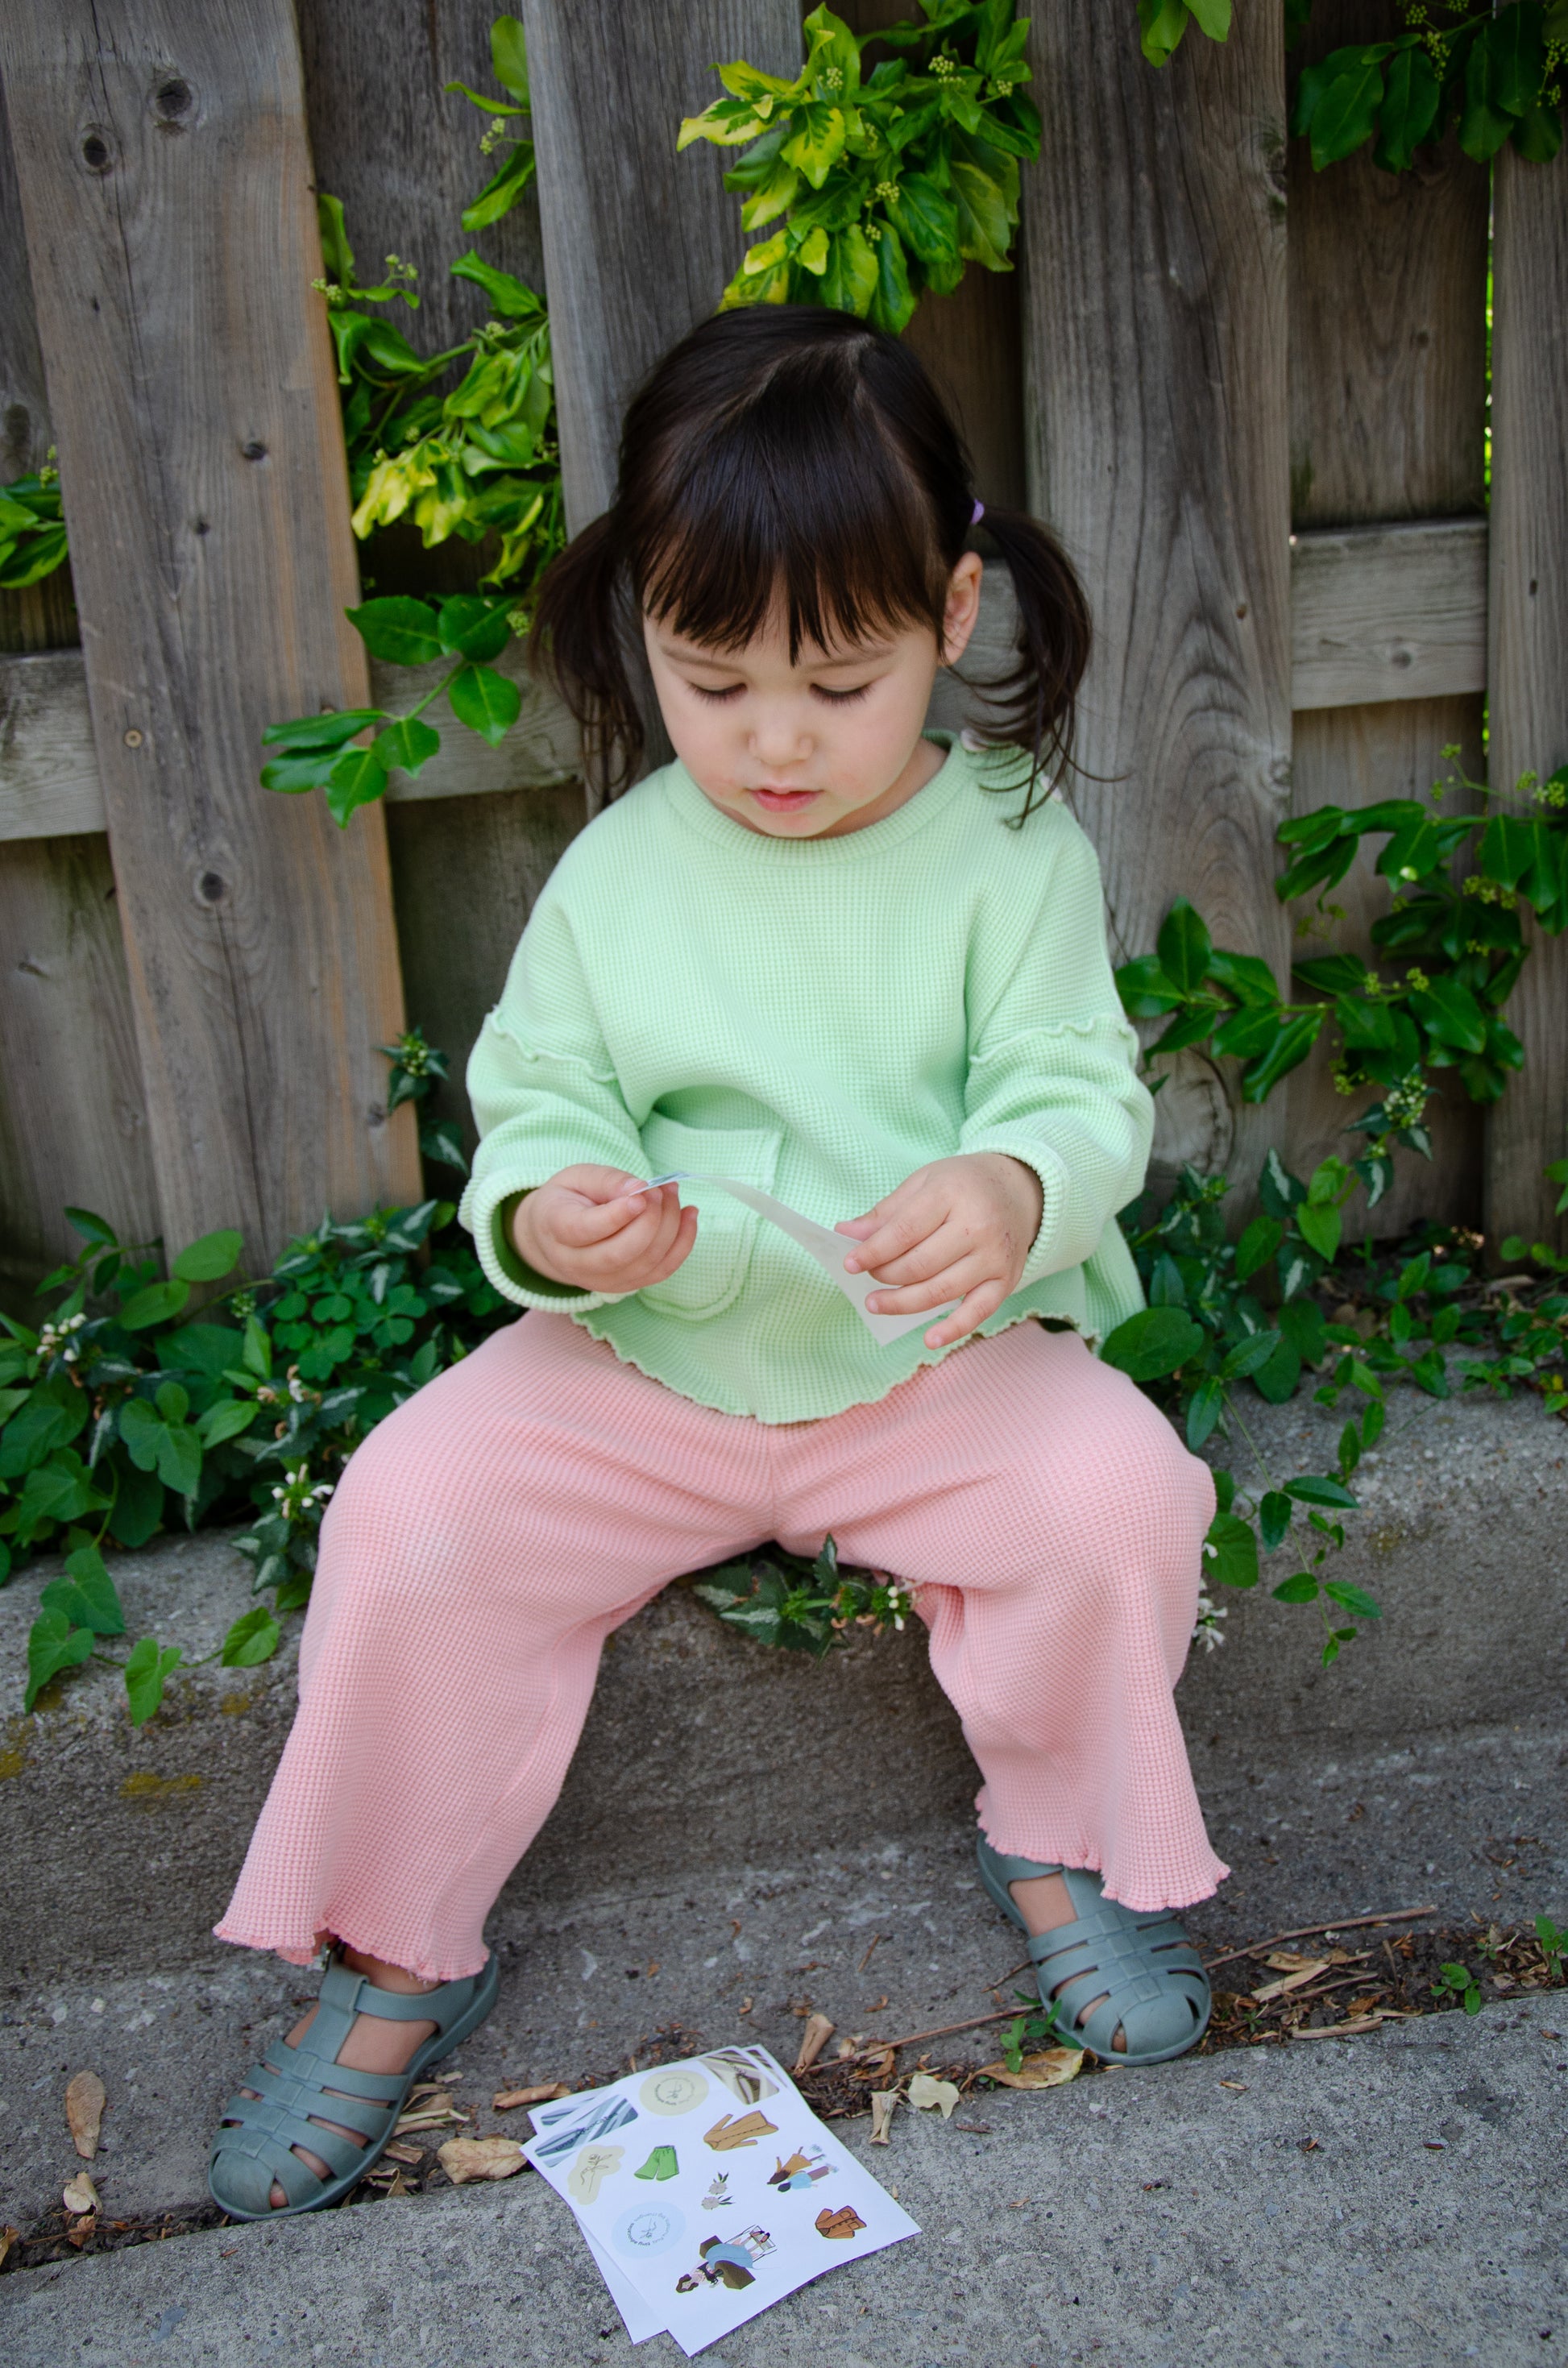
column 961, row 1228
column 590, row 1228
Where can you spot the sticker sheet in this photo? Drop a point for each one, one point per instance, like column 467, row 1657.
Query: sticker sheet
column 706, row 2190
column 828, row 1248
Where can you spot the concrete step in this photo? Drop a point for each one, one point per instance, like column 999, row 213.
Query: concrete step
column 1393, row 2197
column 751, row 1823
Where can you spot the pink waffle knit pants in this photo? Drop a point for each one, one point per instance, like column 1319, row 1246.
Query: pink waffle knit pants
column 488, row 1536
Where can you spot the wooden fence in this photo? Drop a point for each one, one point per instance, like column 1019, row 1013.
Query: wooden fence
column 1252, row 399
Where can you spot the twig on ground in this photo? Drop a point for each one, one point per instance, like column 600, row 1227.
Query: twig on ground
column 943, row 2031
column 1303, row 1931
column 867, row 1958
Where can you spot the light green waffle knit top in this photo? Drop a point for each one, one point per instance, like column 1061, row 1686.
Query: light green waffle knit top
column 818, row 1018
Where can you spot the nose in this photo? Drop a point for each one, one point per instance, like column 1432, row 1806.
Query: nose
column 778, row 739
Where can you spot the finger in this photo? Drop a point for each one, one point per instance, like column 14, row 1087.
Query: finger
column 583, row 1223
column 686, row 1235
column 971, row 1312
column 902, row 1231
column 949, row 1246
column 950, row 1281
column 640, row 1245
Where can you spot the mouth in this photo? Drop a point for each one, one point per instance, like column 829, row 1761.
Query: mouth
column 784, row 801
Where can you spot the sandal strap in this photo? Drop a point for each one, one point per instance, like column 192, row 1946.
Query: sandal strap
column 1141, row 1968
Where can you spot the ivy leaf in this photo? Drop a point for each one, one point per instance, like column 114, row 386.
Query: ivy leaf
column 252, row 1638
column 358, row 779
column 146, row 1674
column 100, row 1599
column 849, row 283
column 1276, row 1380
column 158, row 1302
column 1411, row 98
column 1203, row 1412
column 325, row 732
column 1301, row 1588
column 1257, row 1246
column 1185, row 947
column 1451, row 1013
column 1152, row 1343
column 485, row 701
column 1321, row 1226
column 1316, row 1488
column 403, row 630
column 405, row 745
column 1162, row 23
column 1146, row 993
column 1249, row 1356
column 226, row 1420
column 1245, row 976
column 1291, row 1043
column 52, row 1645
column 1354, row 1598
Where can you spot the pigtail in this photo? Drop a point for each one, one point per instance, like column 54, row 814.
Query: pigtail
column 1034, row 705
column 582, row 622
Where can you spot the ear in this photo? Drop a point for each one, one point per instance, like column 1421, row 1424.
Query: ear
column 963, row 607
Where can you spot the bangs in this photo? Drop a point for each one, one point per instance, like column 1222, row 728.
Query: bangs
column 794, row 497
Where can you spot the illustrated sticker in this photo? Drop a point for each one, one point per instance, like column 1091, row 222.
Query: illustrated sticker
column 612, row 2115
column 726, row 2134
column 845, row 2222
column 592, row 2167
column 648, row 2229
column 661, row 2164
column 745, row 2080
column 797, row 2170
column 719, row 2193
column 727, row 2261
column 675, row 2091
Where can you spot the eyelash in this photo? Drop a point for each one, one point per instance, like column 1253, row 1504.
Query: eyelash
column 733, row 689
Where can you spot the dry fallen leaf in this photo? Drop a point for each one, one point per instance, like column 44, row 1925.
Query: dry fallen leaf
column 925, row 2092
column 1290, row 1981
column 540, row 2094
column 404, row 2153
column 1239, row 2085
column 1050, row 2069
column 430, row 2113
column 883, row 2104
column 877, row 2064
column 80, row 2194
column 8, row 2236
column 814, row 2039
column 1291, row 1961
column 1338, row 2030
column 466, row 2158
column 86, row 2098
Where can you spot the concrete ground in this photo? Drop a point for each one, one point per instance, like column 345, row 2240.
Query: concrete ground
column 746, row 1836
column 1395, row 2197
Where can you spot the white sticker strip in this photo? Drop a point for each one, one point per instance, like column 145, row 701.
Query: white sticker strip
column 828, row 1248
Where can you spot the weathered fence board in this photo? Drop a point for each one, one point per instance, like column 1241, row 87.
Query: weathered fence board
column 171, row 233
column 1387, row 412
column 1154, row 360
column 1394, row 613
column 43, row 617
column 1528, row 702
column 73, row 1116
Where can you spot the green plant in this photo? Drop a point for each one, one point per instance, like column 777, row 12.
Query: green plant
column 1553, row 1947
column 807, row 1607
column 416, row 1069
column 1457, row 1985
column 126, row 1412
column 885, row 184
column 32, row 529
column 1162, row 23
column 1039, row 2026
column 478, row 459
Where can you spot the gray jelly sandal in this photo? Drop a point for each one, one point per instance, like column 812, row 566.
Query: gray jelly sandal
column 1143, row 1967
column 254, row 2145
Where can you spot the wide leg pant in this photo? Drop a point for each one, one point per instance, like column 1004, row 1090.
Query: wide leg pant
column 489, row 1535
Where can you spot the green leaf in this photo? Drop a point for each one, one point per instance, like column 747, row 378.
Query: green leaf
column 471, row 626
column 146, row 1674
column 288, row 777
column 1162, row 23
column 1302, row 1587
column 1275, row 1516
column 1257, row 1246
column 52, row 1645
column 96, row 1230
column 1451, row 1013
column 500, row 194
column 509, row 57
column 1538, row 134
column 211, row 1257
column 319, row 731
column 1321, row 1227
column 1229, row 1552
column 1517, row 67
column 1146, row 993
column 44, row 1423
column 893, row 301
column 1154, row 1343
column 1277, row 1379
column 405, row 745
column 1207, row 1406
column 1245, row 976
column 507, row 295
column 99, row 1597
column 357, row 780
column 1485, row 123
column 1316, row 1488
column 1183, row 946
column 159, row 1303
column 1213, row 17
column 1290, row 1046
column 252, row 1638
column 1346, row 114
column 226, row 1420
column 1249, row 1356
column 403, row 630
column 1409, row 112
column 1354, row 1598
column 485, row 701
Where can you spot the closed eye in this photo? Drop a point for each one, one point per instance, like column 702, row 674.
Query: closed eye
column 730, row 690
column 840, row 698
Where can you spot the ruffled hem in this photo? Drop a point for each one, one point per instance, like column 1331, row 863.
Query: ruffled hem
column 430, row 1969
column 1179, row 1887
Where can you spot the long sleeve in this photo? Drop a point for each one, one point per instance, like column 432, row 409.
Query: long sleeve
column 1053, row 1080
column 545, row 1097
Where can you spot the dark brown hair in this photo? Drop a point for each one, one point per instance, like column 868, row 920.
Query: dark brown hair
column 792, row 451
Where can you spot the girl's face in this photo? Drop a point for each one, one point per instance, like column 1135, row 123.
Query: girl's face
column 819, row 748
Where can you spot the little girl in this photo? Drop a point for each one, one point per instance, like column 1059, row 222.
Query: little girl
column 860, row 966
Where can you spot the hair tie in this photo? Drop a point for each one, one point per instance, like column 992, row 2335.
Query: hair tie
column 977, row 514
